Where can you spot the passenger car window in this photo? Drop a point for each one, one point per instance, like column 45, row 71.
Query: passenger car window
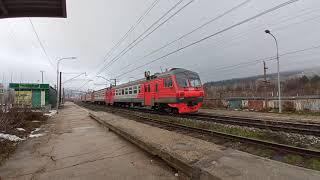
column 135, row 89
column 130, row 90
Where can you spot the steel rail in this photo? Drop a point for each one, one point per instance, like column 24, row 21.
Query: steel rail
column 267, row 144
column 274, row 125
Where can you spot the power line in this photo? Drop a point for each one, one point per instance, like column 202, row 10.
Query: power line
column 194, row 30
column 42, row 46
column 234, row 37
column 136, row 42
column 87, row 81
column 258, row 29
column 123, row 52
column 212, row 35
column 258, row 61
column 132, row 28
column 296, row 23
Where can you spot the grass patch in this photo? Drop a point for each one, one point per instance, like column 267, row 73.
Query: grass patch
column 313, row 164
column 293, row 159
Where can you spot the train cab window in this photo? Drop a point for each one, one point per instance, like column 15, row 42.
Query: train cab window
column 139, row 89
column 135, row 89
column 156, row 87
column 126, row 91
column 182, row 80
column 122, row 91
column 168, row 82
column 130, row 90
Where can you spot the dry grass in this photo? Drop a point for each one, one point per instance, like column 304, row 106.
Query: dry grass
column 17, row 118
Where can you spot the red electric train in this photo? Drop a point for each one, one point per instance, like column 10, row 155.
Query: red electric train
column 177, row 90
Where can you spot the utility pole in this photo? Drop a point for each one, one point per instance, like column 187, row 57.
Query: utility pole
column 115, row 82
column 265, row 84
column 42, row 76
column 58, row 63
column 60, row 88
column 63, row 96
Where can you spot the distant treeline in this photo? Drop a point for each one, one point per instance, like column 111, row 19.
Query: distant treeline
column 255, row 87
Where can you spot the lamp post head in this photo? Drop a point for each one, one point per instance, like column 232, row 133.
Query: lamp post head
column 267, row 31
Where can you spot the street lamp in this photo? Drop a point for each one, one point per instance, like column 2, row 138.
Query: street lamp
column 42, row 76
column 278, row 67
column 58, row 63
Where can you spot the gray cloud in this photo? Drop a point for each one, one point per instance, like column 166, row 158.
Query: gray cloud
column 93, row 28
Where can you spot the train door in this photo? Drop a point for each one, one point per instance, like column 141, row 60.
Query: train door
column 147, row 94
column 156, row 92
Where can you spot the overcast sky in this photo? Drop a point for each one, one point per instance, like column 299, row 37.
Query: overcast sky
column 94, row 27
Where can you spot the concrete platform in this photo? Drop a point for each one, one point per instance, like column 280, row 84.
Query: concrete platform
column 200, row 159
column 77, row 147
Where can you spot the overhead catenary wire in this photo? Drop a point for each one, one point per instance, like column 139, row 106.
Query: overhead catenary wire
column 132, row 28
column 259, row 60
column 258, row 29
column 270, row 58
column 87, row 81
column 71, row 79
column 214, row 34
column 137, row 41
column 191, row 32
column 41, row 45
column 232, row 39
column 130, row 46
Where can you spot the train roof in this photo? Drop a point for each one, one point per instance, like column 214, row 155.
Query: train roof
column 172, row 71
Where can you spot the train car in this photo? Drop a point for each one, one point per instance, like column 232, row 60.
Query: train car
column 178, row 91
column 88, row 97
column 99, row 96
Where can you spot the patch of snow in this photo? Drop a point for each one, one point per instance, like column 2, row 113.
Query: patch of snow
column 21, row 129
column 51, row 113
column 11, row 137
column 36, row 130
column 36, row 135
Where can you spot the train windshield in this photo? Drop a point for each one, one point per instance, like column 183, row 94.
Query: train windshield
column 188, row 79
column 194, row 80
column 182, row 80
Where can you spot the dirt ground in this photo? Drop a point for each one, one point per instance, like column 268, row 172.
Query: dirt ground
column 76, row 147
column 20, row 123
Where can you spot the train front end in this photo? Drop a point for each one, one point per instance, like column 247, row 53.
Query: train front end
column 189, row 91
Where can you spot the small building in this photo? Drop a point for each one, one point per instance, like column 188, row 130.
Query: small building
column 34, row 95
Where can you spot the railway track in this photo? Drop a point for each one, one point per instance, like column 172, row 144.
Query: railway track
column 201, row 131
column 274, row 125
